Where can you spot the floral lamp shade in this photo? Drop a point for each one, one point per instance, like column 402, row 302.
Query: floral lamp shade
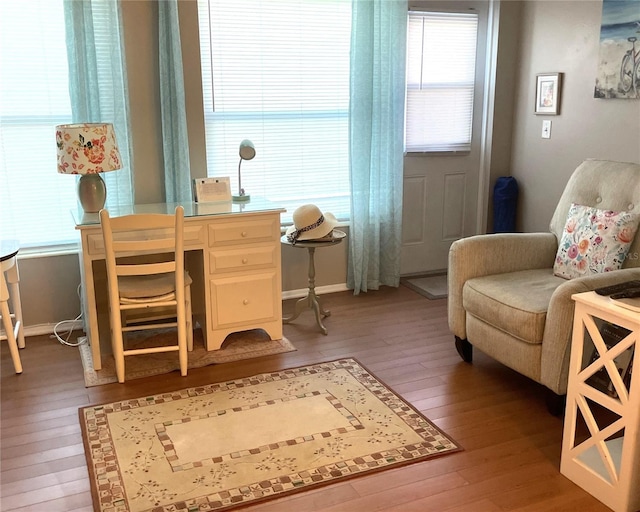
column 88, row 149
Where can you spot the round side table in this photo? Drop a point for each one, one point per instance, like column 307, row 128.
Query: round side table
column 312, row 301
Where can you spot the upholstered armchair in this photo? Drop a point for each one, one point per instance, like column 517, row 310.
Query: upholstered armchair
column 504, row 298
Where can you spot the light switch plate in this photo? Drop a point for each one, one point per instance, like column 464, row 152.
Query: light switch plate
column 546, row 129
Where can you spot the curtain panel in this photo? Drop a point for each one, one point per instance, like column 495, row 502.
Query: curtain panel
column 175, row 138
column 377, row 95
column 98, row 81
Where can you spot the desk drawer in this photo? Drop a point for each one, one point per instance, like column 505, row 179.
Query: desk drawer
column 244, row 232
column 193, row 236
column 246, row 258
column 246, row 299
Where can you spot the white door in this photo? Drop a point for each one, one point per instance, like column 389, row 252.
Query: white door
column 441, row 189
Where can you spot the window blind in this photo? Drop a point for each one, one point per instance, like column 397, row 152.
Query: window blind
column 36, row 201
column 277, row 73
column 440, row 81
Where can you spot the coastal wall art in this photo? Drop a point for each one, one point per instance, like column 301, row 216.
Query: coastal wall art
column 619, row 58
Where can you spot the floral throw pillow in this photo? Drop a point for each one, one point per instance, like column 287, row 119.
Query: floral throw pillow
column 594, row 241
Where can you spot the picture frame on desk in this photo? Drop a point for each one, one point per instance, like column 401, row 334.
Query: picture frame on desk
column 211, row 190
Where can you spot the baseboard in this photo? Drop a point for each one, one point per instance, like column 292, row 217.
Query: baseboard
column 40, row 329
column 320, row 290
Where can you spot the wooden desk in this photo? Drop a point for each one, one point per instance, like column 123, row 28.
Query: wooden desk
column 232, row 252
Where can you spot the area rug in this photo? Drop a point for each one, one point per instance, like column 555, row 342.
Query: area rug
column 238, row 442
column 432, row 287
column 237, row 346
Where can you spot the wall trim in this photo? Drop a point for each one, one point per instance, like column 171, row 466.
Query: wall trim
column 320, row 290
column 42, row 329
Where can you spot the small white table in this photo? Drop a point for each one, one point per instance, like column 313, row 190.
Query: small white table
column 607, row 463
column 312, row 301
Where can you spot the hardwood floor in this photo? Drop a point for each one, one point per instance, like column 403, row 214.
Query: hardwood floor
column 511, row 443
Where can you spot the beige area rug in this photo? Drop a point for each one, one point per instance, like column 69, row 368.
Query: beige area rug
column 431, row 287
column 237, row 346
column 238, row 442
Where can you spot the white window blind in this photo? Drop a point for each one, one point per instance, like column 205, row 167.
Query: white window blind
column 277, row 73
column 36, row 201
column 441, row 66
column 34, row 96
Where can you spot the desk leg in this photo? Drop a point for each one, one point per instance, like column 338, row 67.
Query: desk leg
column 311, row 301
column 90, row 310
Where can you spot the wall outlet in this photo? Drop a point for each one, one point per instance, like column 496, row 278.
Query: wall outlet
column 546, row 129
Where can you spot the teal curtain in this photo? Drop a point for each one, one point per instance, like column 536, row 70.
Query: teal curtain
column 98, row 80
column 175, row 139
column 377, row 91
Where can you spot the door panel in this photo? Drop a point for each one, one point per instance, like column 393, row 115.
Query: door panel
column 441, row 190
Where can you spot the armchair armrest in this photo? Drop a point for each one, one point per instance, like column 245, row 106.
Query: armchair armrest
column 556, row 342
column 484, row 255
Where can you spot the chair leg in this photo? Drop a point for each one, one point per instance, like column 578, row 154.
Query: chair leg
column 556, row 403
column 117, row 343
column 182, row 343
column 465, row 349
column 189, row 314
column 11, row 338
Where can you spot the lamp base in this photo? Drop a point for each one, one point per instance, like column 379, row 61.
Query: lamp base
column 241, row 199
column 92, row 192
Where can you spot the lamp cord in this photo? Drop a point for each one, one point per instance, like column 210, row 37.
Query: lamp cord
column 66, row 341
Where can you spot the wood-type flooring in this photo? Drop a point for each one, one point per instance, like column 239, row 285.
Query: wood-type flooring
column 511, row 443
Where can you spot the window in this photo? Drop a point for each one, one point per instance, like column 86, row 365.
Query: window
column 36, row 201
column 277, row 73
column 34, row 96
column 441, row 65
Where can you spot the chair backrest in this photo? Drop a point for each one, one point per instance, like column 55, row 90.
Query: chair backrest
column 606, row 185
column 130, row 236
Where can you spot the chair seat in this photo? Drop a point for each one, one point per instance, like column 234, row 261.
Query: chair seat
column 146, row 288
column 515, row 302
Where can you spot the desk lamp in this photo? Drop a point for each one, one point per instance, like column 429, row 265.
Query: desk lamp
column 88, row 149
column 247, row 152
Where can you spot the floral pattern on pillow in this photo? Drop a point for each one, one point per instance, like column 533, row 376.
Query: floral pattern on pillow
column 594, row 241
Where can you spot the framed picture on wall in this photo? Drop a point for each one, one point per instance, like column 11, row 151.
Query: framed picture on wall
column 548, row 90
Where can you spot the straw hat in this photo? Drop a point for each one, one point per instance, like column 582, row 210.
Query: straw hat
column 309, row 223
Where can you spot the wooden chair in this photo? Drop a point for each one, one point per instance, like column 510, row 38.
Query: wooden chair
column 12, row 322
column 147, row 281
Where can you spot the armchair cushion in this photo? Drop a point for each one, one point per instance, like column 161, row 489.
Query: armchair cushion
column 594, row 241
column 515, row 302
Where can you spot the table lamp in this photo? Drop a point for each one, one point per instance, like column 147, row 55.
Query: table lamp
column 247, row 152
column 88, row 149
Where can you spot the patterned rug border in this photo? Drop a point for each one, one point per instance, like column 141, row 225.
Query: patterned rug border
column 294, row 490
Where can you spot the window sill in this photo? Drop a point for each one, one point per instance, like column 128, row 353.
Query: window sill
column 437, row 153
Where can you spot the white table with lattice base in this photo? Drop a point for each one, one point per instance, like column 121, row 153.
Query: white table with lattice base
column 601, row 441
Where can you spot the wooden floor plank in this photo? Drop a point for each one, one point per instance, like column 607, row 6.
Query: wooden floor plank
column 511, row 455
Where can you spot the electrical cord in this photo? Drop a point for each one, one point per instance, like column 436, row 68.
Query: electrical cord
column 66, row 341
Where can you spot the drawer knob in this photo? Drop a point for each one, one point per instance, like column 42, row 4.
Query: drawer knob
column 245, row 301
column 243, row 234
column 245, row 261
